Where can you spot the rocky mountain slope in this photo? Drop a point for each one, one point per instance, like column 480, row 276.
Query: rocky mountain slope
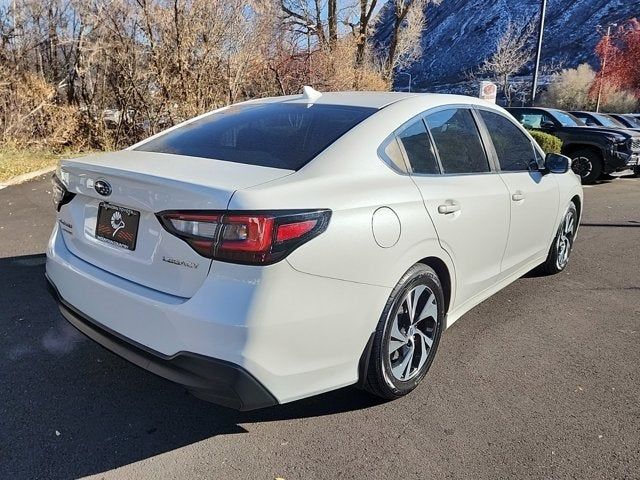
column 460, row 34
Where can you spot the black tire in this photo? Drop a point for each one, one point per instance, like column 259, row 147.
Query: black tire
column 380, row 377
column 588, row 164
column 556, row 260
column 636, row 171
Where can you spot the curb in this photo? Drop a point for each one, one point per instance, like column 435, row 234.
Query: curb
column 25, row 177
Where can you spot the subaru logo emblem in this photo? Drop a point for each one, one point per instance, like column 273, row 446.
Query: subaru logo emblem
column 103, row 188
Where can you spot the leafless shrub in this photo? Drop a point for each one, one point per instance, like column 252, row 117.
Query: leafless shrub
column 574, row 89
column 513, row 52
column 616, row 100
column 404, row 43
column 570, row 89
column 105, row 73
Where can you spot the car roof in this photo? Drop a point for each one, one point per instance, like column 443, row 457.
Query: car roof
column 377, row 100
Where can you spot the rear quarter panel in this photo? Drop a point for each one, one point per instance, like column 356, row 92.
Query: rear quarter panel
column 348, row 250
column 352, row 180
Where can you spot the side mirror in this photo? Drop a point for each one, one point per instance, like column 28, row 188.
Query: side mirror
column 556, row 163
column 547, row 126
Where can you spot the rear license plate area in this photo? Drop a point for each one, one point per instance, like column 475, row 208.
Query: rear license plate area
column 117, row 225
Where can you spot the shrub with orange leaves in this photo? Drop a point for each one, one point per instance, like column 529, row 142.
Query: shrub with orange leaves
column 619, row 53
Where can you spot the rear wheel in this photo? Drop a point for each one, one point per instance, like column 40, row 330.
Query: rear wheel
column 558, row 256
column 407, row 336
column 636, row 171
column 588, row 164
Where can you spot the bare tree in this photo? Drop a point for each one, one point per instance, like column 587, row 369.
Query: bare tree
column 361, row 29
column 103, row 74
column 512, row 53
column 307, row 17
column 404, row 43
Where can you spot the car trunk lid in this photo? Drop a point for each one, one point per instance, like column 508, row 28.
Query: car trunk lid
column 148, row 183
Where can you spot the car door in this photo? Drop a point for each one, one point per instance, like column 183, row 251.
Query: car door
column 466, row 200
column 533, row 196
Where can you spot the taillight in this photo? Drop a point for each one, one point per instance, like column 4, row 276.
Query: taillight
column 61, row 195
column 246, row 237
column 200, row 230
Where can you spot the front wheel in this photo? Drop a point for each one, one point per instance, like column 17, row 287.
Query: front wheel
column 558, row 256
column 407, row 336
column 587, row 164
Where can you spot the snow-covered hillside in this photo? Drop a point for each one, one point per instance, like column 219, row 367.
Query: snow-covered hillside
column 461, row 33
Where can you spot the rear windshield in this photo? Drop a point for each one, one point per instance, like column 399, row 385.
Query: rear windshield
column 277, row 135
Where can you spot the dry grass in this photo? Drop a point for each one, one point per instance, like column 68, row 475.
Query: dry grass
column 14, row 161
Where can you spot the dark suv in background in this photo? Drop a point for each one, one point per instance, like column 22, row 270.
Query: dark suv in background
column 627, row 119
column 594, row 119
column 594, row 151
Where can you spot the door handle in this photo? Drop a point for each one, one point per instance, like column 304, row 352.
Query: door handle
column 518, row 196
column 449, row 208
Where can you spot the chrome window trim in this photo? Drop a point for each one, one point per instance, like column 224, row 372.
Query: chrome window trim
column 486, row 143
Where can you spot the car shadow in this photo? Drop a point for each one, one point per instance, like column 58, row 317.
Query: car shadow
column 629, row 224
column 607, row 179
column 69, row 408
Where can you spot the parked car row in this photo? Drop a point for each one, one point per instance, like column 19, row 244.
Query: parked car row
column 598, row 144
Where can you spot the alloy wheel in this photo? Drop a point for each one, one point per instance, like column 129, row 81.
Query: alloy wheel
column 565, row 239
column 582, row 166
column 413, row 330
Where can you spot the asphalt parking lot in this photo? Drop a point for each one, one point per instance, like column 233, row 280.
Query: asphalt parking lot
column 540, row 381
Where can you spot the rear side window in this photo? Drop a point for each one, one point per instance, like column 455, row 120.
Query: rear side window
column 587, row 120
column 417, row 146
column 277, row 135
column 457, row 140
column 514, row 149
column 531, row 118
column 393, row 155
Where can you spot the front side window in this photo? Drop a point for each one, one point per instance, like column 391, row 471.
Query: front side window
column 278, row 135
column 514, row 149
column 457, row 141
column 417, row 146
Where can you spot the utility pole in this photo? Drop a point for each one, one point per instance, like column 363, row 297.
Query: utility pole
column 534, row 83
column 604, row 64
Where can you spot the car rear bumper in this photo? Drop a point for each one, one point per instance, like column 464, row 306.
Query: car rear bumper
column 208, row 378
column 294, row 333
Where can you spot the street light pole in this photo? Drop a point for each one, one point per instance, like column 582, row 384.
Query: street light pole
column 604, row 65
column 534, row 83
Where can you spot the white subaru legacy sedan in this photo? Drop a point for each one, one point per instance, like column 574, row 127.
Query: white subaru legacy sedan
column 283, row 247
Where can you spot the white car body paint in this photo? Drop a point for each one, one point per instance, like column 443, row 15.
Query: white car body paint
column 298, row 326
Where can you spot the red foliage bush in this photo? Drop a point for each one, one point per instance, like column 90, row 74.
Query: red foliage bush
column 620, row 55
